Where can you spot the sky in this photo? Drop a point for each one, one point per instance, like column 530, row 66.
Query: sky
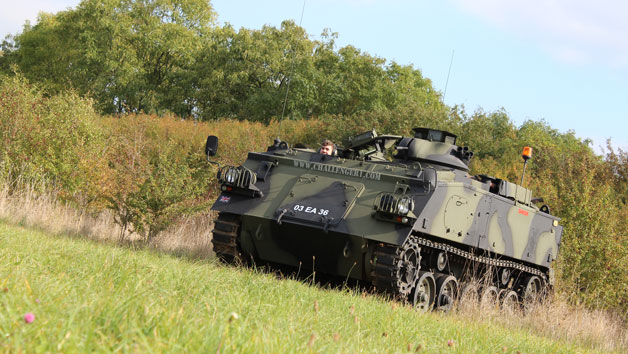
column 562, row 61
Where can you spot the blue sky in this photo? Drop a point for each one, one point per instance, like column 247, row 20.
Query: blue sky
column 562, row 61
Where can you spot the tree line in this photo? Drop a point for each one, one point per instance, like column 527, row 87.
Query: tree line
column 160, row 56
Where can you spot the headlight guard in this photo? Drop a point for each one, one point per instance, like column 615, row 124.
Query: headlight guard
column 239, row 180
column 394, row 207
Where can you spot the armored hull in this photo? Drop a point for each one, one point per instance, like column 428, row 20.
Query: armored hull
column 415, row 224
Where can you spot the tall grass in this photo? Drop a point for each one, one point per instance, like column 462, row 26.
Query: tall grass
column 553, row 320
column 28, row 206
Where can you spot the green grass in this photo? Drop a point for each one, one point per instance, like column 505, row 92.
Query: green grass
column 95, row 297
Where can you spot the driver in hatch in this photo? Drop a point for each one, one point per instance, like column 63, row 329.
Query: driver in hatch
column 327, row 147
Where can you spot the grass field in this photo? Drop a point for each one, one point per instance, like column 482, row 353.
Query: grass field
column 89, row 296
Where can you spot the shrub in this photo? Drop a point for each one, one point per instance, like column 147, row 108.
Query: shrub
column 48, row 139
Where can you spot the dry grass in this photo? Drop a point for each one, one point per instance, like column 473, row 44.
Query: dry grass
column 554, row 318
column 557, row 319
column 191, row 236
column 30, row 208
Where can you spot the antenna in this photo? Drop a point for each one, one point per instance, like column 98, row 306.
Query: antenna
column 294, row 55
column 448, row 72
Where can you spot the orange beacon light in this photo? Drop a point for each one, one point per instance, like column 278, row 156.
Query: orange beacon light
column 527, row 153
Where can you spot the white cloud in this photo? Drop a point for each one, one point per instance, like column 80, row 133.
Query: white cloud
column 574, row 31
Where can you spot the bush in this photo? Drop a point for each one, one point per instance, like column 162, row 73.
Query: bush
column 53, row 140
column 153, row 176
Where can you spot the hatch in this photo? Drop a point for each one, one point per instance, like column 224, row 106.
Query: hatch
column 458, row 215
column 319, row 200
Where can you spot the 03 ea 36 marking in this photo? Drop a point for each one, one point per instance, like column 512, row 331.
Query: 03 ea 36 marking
column 311, row 210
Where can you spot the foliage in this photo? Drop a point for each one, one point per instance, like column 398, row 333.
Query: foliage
column 129, row 55
column 618, row 172
column 618, row 165
column 594, row 255
column 48, row 138
column 169, row 190
column 160, row 56
column 247, row 73
column 153, row 178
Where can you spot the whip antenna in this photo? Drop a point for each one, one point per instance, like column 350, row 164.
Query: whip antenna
column 294, row 55
column 448, row 72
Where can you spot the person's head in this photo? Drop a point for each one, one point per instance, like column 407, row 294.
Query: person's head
column 327, row 147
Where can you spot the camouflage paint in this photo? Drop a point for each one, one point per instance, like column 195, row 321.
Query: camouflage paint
column 317, row 212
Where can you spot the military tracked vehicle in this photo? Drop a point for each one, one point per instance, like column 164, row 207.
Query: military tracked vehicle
column 400, row 213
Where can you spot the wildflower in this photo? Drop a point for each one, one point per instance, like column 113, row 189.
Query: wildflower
column 450, row 343
column 233, row 316
column 29, row 317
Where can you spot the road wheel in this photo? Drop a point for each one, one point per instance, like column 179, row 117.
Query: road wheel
column 446, row 292
column 424, row 292
column 508, row 300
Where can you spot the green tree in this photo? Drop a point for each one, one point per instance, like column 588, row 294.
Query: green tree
column 130, row 55
column 166, row 55
column 245, row 74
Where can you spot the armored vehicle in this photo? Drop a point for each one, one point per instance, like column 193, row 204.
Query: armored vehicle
column 400, row 213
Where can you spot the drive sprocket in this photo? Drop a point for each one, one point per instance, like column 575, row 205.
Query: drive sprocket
column 396, row 268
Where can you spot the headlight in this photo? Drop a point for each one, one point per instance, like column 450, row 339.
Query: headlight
column 397, row 204
column 239, row 180
column 240, row 177
column 404, row 205
column 231, row 176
